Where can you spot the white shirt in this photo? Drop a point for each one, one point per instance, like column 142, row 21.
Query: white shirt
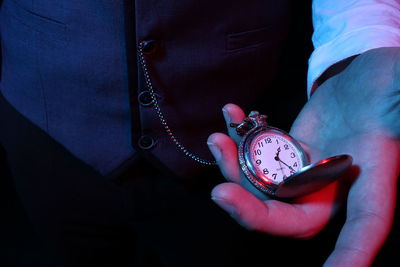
column 343, row 28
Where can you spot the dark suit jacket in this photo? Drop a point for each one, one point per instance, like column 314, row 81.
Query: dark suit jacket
column 70, row 67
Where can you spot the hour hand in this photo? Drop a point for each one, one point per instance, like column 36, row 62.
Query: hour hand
column 277, row 154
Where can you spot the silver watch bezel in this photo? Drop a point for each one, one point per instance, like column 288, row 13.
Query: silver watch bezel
column 247, row 166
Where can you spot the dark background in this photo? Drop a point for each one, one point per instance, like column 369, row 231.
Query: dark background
column 17, row 238
column 288, row 93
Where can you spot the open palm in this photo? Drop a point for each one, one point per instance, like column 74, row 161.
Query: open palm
column 356, row 113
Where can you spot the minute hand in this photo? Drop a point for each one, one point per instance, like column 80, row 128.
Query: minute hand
column 287, row 165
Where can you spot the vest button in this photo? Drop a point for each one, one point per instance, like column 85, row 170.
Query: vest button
column 149, row 46
column 146, row 142
column 145, row 99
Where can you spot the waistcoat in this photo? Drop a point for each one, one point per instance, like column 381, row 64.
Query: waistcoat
column 72, row 68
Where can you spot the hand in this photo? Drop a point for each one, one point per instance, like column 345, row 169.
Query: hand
column 356, row 112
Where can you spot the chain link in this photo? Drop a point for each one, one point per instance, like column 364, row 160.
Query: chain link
column 160, row 115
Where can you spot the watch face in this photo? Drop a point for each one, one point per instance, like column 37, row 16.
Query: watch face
column 272, row 155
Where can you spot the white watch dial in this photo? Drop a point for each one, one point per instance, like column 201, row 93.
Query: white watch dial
column 274, row 157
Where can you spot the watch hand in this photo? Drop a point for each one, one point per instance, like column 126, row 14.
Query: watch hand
column 287, row 166
column 278, row 160
column 277, row 154
column 280, row 167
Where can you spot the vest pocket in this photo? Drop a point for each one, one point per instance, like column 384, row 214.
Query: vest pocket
column 247, row 39
column 48, row 27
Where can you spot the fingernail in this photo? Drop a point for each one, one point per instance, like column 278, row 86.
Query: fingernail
column 225, row 205
column 215, row 150
column 226, row 115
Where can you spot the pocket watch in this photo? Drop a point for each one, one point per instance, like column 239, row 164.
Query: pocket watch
column 277, row 165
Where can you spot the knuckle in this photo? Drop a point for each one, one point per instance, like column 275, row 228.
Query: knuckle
column 306, row 235
column 309, row 232
column 366, row 215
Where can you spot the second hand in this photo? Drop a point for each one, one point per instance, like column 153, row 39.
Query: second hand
column 280, row 162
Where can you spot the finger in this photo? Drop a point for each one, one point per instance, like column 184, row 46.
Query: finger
column 361, row 238
column 233, row 114
column 371, row 206
column 225, row 153
column 275, row 217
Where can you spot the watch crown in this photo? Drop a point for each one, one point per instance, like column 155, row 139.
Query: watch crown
column 257, row 118
column 253, row 120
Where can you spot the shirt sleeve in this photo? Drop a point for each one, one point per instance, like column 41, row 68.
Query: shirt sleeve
column 344, row 28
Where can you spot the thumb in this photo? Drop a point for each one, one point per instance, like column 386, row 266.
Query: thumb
column 302, row 220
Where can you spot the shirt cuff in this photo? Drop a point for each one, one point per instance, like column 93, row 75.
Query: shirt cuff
column 347, row 45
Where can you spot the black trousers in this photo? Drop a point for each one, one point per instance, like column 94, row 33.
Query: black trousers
column 60, row 212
